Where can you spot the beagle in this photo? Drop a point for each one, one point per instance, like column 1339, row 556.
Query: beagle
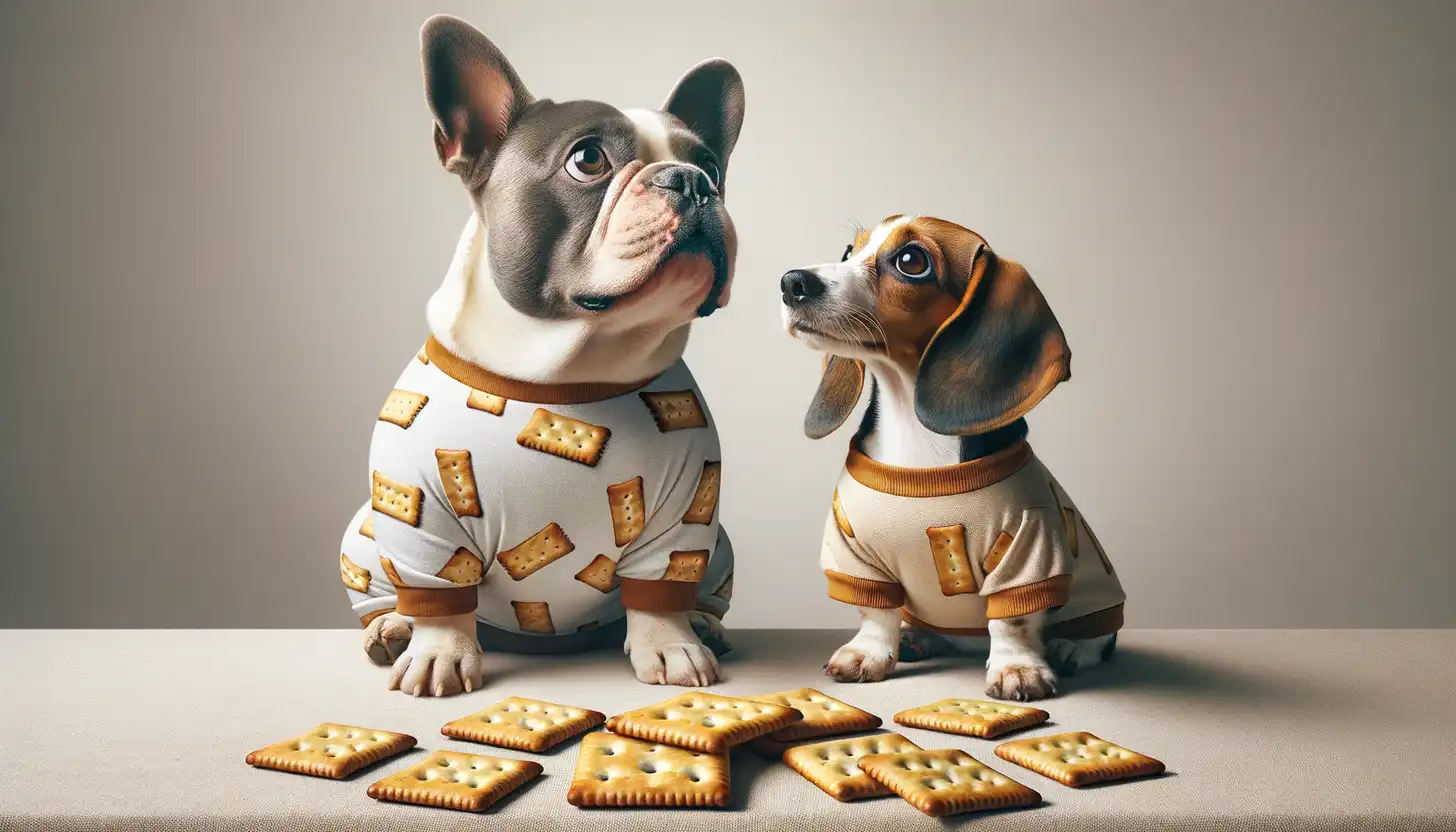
column 945, row 528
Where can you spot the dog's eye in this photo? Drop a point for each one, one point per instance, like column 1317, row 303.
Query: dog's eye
column 848, row 250
column 587, row 162
column 913, row 261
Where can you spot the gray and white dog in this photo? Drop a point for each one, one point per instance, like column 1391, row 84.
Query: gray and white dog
column 598, row 236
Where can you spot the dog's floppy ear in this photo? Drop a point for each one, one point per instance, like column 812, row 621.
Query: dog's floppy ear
column 838, row 393
column 709, row 100
column 998, row 355
column 473, row 92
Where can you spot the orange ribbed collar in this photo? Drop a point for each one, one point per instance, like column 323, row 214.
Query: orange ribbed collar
column 478, row 377
column 936, row 482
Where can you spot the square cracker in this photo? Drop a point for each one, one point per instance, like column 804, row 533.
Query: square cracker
column 534, row 617
column 952, row 565
column 824, row 716
column 331, row 750
column 1078, row 758
column 396, row 499
column 705, row 498
column 946, row 781
column 704, row 721
column 488, row 402
column 833, row 765
column 451, row 780
column 675, row 410
column 629, row 514
column 614, row 770
column 401, row 407
column 535, row 552
column 686, row 566
column 355, row 576
column 463, row 568
column 600, row 574
column 565, row 437
column 524, row 724
column 971, row 717
column 457, row 475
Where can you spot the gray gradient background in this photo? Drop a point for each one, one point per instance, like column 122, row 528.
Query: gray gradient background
column 220, row 224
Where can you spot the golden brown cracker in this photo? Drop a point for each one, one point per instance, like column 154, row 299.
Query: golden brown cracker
column 534, row 617
column 629, row 510
column 952, row 565
column 390, row 572
column 705, row 498
column 401, row 407
column 704, row 721
column 614, row 770
column 971, row 717
column 524, row 724
column 457, row 476
column 535, row 552
column 686, row 566
column 1078, row 758
column 488, row 402
column 331, row 750
column 1069, row 522
column 675, row 410
column 833, row 765
column 355, row 576
column 422, row 356
column 565, row 437
column 600, row 574
column 999, row 548
column 946, row 781
column 396, row 499
column 451, row 780
column 367, row 527
column 824, row 716
column 840, row 519
column 463, row 568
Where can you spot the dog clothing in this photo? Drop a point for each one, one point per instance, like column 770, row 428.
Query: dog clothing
column 545, row 509
column 956, row 546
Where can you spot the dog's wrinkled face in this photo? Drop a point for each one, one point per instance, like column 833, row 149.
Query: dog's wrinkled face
column 931, row 299
column 605, row 218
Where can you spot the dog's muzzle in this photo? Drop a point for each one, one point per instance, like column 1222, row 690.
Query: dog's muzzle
column 800, row 286
column 697, row 203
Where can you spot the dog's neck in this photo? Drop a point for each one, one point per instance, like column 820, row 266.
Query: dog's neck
column 470, row 318
column 891, row 432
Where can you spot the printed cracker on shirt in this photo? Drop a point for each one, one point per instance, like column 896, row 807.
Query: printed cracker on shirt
column 629, row 513
column 331, row 750
column 705, row 498
column 614, row 770
column 565, row 437
column 948, row 547
column 423, row 357
column 839, row 518
column 703, row 721
column 462, row 568
column 675, row 410
column 488, row 402
column 534, row 617
column 401, row 407
column 457, row 476
column 524, row 724
column 355, row 576
column 971, row 717
column 998, row 551
column 535, row 552
column 451, row 780
column 389, row 572
column 946, row 781
column 833, row 765
column 600, row 574
column 395, row 499
column 1069, row 521
column 686, row 566
column 1078, row 758
column 1097, row 544
column 367, row 527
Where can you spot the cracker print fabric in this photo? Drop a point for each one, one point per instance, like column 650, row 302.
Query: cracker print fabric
column 523, row 494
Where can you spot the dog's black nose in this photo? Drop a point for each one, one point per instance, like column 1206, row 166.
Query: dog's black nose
column 800, row 285
column 687, row 180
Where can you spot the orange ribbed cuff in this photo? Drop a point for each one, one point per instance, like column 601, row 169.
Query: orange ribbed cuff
column 1025, row 600
column 432, row 602
column 659, row 596
column 863, row 592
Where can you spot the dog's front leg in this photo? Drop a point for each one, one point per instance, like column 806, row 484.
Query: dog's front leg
column 1016, row 667
column 443, row 658
column 871, row 654
column 665, row 650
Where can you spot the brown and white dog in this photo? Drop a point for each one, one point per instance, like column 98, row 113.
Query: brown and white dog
column 960, row 345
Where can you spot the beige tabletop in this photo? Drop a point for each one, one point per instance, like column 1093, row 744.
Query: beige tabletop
column 1275, row 730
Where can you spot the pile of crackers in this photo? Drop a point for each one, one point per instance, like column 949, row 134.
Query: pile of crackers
column 676, row 753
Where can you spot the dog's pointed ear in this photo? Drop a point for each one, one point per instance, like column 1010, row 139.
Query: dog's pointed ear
column 473, row 92
column 709, row 100
column 998, row 355
column 838, row 393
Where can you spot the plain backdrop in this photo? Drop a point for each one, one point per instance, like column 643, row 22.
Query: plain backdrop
column 219, row 224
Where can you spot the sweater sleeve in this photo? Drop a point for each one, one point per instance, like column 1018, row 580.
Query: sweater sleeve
column 855, row 575
column 1030, row 569
column 661, row 569
column 424, row 549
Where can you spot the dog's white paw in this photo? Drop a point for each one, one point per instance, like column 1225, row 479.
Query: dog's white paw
column 857, row 663
column 711, row 632
column 1021, row 681
column 386, row 638
column 665, row 650
column 440, row 661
